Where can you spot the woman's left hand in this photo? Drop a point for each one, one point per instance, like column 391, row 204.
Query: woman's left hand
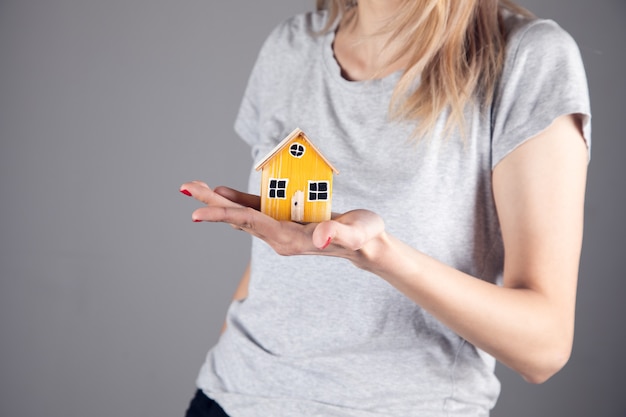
column 345, row 235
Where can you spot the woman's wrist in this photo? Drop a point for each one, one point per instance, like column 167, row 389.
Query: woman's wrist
column 371, row 256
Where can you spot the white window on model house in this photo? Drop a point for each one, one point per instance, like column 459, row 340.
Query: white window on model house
column 318, row 191
column 277, row 188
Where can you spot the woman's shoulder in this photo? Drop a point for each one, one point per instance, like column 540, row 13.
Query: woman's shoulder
column 304, row 23
column 543, row 78
column 538, row 34
column 297, row 33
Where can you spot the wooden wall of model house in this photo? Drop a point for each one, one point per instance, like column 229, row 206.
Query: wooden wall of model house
column 296, row 181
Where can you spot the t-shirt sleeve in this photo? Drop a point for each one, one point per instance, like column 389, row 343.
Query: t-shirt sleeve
column 260, row 121
column 262, row 95
column 543, row 78
column 248, row 122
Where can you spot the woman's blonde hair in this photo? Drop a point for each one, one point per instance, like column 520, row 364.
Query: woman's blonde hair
column 455, row 48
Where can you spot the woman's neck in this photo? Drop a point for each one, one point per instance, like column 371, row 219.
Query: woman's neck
column 371, row 16
column 362, row 45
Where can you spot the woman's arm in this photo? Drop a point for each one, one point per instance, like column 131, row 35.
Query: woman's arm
column 527, row 323
column 241, row 292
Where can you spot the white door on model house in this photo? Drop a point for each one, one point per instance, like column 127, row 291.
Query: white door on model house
column 297, row 206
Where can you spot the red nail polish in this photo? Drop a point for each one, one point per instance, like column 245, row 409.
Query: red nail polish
column 197, row 221
column 187, row 193
column 327, row 243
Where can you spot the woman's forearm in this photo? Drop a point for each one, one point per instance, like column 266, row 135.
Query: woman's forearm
column 521, row 327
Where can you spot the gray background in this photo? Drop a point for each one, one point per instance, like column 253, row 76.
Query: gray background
column 110, row 295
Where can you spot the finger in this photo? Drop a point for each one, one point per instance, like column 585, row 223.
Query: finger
column 351, row 230
column 202, row 192
column 195, row 183
column 192, row 188
column 285, row 237
column 238, row 217
column 245, row 199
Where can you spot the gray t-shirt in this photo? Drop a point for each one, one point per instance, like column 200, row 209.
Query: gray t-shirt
column 319, row 337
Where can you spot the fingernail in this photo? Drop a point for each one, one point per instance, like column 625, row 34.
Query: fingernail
column 327, row 243
column 196, row 221
column 187, row 193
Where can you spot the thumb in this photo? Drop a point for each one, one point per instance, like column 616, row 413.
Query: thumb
column 351, row 230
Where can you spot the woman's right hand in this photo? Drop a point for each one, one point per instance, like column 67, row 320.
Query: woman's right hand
column 345, row 235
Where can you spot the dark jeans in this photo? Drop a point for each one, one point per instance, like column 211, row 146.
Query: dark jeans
column 203, row 406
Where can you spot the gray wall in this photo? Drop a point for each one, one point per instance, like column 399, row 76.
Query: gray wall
column 110, row 295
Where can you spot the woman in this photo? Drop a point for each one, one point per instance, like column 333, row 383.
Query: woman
column 462, row 132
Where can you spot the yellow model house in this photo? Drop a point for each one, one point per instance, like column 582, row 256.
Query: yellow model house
column 297, row 181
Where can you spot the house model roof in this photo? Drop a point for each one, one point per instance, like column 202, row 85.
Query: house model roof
column 296, row 132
